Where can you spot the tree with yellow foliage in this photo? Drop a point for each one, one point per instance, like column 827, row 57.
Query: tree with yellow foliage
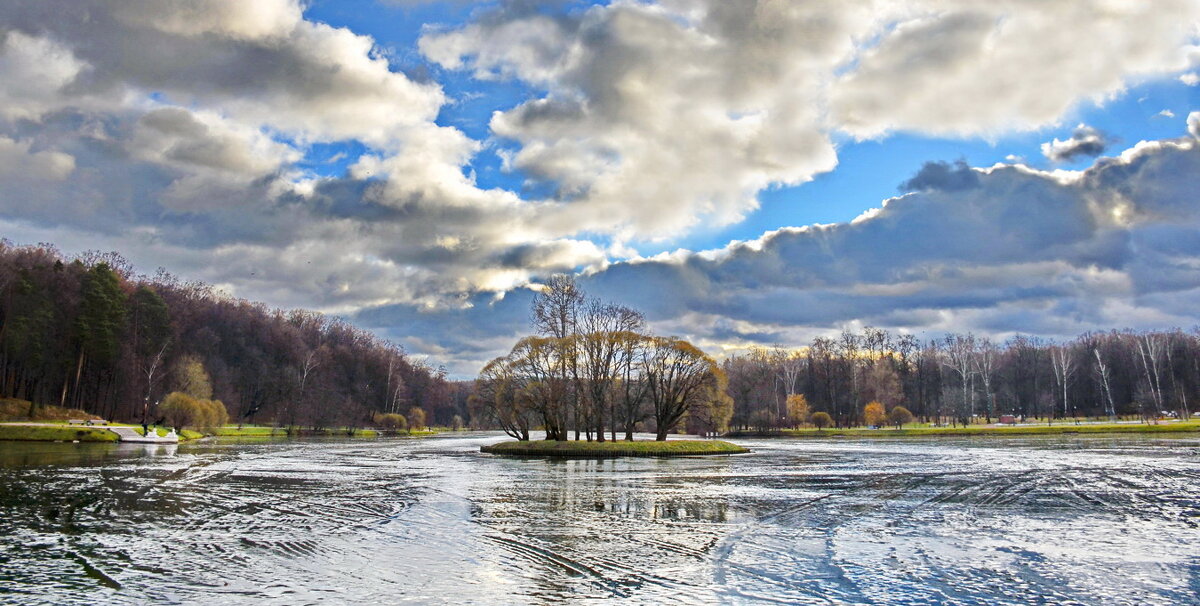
column 797, row 409
column 874, row 414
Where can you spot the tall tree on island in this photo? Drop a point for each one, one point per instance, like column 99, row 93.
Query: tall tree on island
column 679, row 376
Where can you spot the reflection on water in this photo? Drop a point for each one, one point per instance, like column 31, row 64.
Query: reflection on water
column 1088, row 520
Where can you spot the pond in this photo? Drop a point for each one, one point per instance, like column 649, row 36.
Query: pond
column 995, row 520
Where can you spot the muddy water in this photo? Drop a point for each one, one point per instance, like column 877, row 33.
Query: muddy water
column 1085, row 520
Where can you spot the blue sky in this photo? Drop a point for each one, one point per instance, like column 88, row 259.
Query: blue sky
column 420, row 166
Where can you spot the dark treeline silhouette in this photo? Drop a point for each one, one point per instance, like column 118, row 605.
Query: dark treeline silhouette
column 87, row 333
column 964, row 378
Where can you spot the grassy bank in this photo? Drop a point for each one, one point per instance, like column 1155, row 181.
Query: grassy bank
column 642, row 448
column 12, row 409
column 1019, row 430
column 249, row 431
column 64, row 433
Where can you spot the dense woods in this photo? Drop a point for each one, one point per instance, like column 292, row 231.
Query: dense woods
column 963, row 378
column 87, row 333
column 591, row 369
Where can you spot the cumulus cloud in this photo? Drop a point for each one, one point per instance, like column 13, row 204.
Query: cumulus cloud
column 942, row 176
column 187, row 121
column 1085, row 141
column 35, row 70
column 18, row 163
column 662, row 115
column 182, row 132
column 1020, row 251
column 981, row 68
column 1193, row 124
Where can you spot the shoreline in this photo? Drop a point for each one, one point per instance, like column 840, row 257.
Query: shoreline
column 35, row 431
column 936, row 432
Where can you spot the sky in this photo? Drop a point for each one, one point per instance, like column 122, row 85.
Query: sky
column 744, row 172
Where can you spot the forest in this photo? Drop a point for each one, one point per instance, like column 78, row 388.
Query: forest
column 87, row 333
column 961, row 379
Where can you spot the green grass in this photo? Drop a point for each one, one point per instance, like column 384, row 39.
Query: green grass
column 1022, row 430
column 64, row 433
column 184, row 434
column 265, row 431
column 641, row 448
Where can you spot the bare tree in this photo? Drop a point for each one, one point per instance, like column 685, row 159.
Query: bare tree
column 499, row 399
column 1104, row 372
column 556, row 310
column 1061, row 361
column 603, row 332
column 985, row 363
column 150, row 368
column 1150, row 348
column 788, row 365
column 959, row 357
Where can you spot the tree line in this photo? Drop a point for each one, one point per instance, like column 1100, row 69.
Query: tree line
column 88, row 333
column 591, row 369
column 962, row 378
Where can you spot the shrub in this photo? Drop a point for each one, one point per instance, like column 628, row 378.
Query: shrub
column 182, row 410
column 416, row 418
column 899, row 416
column 821, row 420
column 392, row 421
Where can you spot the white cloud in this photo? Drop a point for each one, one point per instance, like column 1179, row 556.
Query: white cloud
column 34, row 70
column 1190, row 79
column 985, row 68
column 1193, row 124
column 18, row 163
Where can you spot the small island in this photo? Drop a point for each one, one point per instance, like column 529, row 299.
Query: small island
column 620, row 448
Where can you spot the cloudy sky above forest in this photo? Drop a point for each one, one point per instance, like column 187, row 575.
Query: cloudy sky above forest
column 745, row 172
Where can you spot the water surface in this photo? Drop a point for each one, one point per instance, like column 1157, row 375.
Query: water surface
column 996, row 520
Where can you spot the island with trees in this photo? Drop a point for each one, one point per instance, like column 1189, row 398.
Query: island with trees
column 592, row 370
